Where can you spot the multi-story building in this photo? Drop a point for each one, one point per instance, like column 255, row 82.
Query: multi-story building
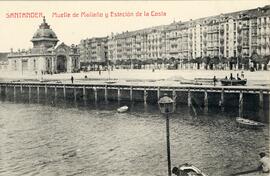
column 94, row 50
column 237, row 34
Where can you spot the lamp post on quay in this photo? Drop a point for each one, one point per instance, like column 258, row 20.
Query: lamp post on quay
column 166, row 106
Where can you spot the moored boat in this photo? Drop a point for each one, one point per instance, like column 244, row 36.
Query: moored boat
column 122, row 109
column 191, row 169
column 233, row 82
column 242, row 122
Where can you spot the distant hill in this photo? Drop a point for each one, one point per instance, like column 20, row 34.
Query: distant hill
column 3, row 56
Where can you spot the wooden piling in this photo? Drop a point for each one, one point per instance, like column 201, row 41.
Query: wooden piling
column 145, row 94
column 189, row 98
column 84, row 93
column 221, row 102
column 131, row 93
column 6, row 91
column 64, row 91
column 261, row 99
column 118, row 94
column 21, row 88
column 75, row 93
column 46, row 91
column 174, row 98
column 96, row 95
column 241, row 102
column 29, row 93
column 38, row 94
column 106, row 93
column 55, row 92
column 158, row 93
column 205, row 101
column 14, row 92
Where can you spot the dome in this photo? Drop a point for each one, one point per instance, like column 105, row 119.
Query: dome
column 44, row 33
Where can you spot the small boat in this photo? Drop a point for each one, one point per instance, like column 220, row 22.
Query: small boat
column 233, row 82
column 122, row 109
column 191, row 169
column 242, row 122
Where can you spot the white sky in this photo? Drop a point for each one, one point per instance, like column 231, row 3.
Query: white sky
column 17, row 33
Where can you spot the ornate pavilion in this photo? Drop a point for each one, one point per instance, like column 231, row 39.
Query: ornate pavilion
column 45, row 56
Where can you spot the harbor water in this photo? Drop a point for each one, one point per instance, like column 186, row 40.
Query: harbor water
column 55, row 138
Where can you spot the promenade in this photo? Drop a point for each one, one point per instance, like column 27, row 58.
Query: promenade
column 162, row 77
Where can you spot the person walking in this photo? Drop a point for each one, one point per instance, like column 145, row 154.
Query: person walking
column 214, row 80
column 72, row 79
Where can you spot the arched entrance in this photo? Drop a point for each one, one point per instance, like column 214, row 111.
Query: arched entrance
column 61, row 63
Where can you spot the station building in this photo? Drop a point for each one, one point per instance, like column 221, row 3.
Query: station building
column 45, row 56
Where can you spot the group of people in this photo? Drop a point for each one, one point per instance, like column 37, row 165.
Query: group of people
column 237, row 76
column 264, row 167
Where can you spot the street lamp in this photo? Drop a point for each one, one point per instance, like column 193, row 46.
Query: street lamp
column 166, row 106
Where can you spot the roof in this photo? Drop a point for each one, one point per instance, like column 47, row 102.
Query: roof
column 44, row 32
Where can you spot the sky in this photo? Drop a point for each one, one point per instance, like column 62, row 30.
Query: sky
column 16, row 33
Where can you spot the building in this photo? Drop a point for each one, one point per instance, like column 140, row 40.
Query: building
column 94, row 51
column 45, row 56
column 230, row 36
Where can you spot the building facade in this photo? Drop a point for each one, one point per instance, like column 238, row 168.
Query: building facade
column 94, row 50
column 45, row 56
column 233, row 35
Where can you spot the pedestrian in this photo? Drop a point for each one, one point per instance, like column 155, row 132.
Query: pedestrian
column 99, row 72
column 264, row 163
column 231, row 77
column 242, row 74
column 72, row 79
column 214, row 80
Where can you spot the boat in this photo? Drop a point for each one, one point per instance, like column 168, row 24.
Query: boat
column 233, row 82
column 246, row 123
column 191, row 169
column 122, row 109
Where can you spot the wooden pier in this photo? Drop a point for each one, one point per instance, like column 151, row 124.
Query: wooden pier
column 145, row 92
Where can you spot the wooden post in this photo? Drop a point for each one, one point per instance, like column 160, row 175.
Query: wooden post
column 96, row 95
column 46, row 91
column 75, row 93
column 118, row 94
column 241, row 104
column 189, row 98
column 205, row 101
column 38, row 94
column 221, row 102
column 174, row 98
column 261, row 114
column 29, row 95
column 131, row 93
column 0, row 90
column 261, row 99
column 14, row 91
column 6, row 91
column 145, row 94
column 64, row 91
column 158, row 93
column 84, row 93
column 21, row 88
column 106, row 93
column 55, row 92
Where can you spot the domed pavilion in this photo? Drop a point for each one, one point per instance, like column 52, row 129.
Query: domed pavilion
column 45, row 56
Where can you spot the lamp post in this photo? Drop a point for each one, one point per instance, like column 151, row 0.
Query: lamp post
column 166, row 107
